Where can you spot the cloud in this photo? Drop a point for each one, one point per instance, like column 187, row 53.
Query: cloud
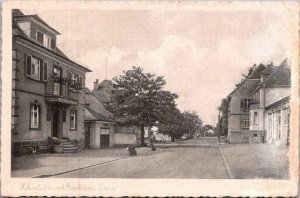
column 96, row 61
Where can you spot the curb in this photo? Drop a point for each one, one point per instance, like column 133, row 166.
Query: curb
column 226, row 165
column 81, row 168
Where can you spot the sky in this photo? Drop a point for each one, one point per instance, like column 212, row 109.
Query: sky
column 201, row 54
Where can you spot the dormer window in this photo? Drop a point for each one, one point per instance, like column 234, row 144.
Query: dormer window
column 43, row 39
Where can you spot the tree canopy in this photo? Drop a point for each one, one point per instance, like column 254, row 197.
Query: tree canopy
column 140, row 99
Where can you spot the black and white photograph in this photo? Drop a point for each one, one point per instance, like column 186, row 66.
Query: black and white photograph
column 140, row 92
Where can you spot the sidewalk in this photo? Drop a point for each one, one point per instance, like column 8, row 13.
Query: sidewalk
column 253, row 161
column 51, row 164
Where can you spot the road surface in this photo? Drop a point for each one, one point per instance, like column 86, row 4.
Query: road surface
column 188, row 159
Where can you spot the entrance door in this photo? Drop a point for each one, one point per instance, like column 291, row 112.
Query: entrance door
column 104, row 141
column 87, row 135
column 104, row 137
column 55, row 123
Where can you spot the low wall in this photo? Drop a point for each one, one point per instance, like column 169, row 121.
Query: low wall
column 124, row 138
column 238, row 137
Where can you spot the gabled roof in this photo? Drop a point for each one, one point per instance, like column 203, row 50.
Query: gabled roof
column 275, row 104
column 257, row 72
column 97, row 116
column 18, row 15
column 253, row 76
column 61, row 53
column 268, row 70
column 237, row 87
column 38, row 19
column 102, row 96
column 281, row 76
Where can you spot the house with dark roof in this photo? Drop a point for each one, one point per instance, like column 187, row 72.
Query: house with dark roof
column 239, row 111
column 99, row 123
column 47, row 100
column 270, row 106
column 124, row 135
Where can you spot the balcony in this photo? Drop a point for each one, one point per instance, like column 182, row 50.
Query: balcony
column 59, row 93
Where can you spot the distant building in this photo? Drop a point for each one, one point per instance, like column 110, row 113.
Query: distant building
column 46, row 95
column 239, row 107
column 270, row 106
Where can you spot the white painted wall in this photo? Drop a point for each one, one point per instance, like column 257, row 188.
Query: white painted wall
column 124, row 138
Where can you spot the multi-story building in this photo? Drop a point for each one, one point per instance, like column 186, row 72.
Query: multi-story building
column 270, row 110
column 46, row 87
column 239, row 111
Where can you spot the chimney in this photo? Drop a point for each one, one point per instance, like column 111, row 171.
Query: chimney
column 96, row 84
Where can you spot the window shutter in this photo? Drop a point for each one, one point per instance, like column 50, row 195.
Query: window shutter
column 241, row 123
column 75, row 119
column 70, row 119
column 52, row 43
column 242, row 105
column 80, row 80
column 45, row 71
column 28, row 65
column 40, row 115
column 41, row 70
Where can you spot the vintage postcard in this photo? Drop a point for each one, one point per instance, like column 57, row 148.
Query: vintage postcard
column 141, row 98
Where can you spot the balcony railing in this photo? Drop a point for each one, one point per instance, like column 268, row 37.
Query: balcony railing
column 59, row 93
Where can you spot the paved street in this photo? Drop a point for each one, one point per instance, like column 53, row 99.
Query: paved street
column 182, row 161
column 201, row 159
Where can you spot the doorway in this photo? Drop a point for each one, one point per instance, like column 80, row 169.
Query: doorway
column 104, row 137
column 55, row 123
column 87, row 135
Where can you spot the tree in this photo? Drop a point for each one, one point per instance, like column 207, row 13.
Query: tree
column 171, row 123
column 191, row 123
column 141, row 100
column 244, row 76
column 222, row 125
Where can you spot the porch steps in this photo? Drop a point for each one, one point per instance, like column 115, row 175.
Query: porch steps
column 69, row 147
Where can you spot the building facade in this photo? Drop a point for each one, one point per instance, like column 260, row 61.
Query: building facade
column 239, row 108
column 270, row 108
column 99, row 123
column 46, row 87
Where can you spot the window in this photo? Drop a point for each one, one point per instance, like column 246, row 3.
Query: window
column 255, row 118
column 73, row 120
column 56, row 71
column 104, row 131
column 246, row 123
column 47, row 41
column 43, row 39
column 35, row 116
column 33, row 67
column 74, row 77
column 245, row 104
column 255, row 135
column 39, row 37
